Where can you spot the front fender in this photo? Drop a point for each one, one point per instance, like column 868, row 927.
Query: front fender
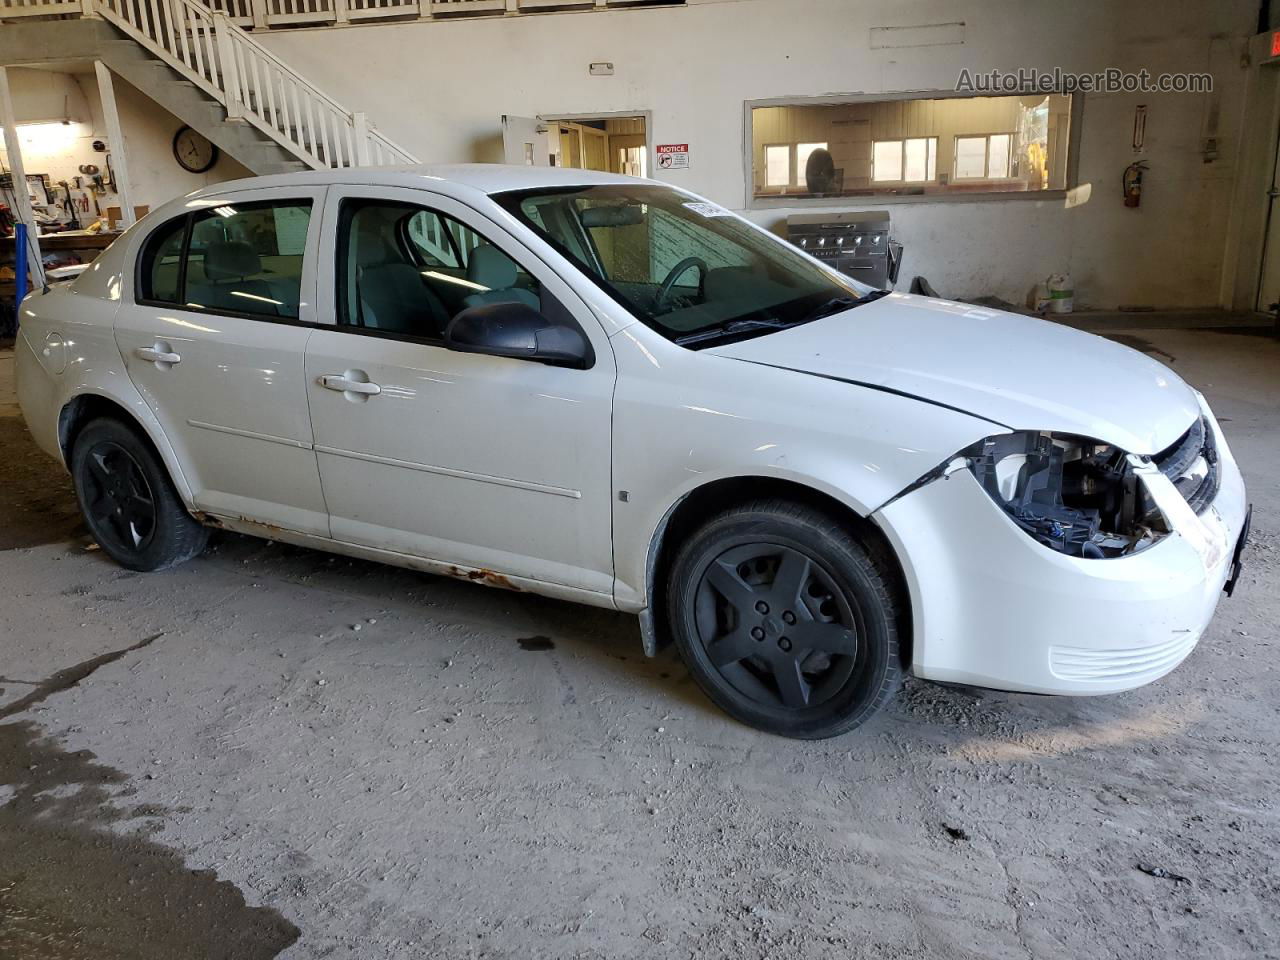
column 684, row 419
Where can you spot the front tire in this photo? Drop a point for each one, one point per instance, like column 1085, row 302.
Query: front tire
column 128, row 501
column 786, row 620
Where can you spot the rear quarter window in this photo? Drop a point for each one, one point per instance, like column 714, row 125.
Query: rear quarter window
column 160, row 273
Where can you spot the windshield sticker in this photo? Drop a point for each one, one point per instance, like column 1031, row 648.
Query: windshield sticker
column 707, row 209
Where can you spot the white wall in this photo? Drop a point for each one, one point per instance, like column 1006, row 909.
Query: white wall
column 42, row 100
column 148, row 132
column 439, row 88
column 40, row 95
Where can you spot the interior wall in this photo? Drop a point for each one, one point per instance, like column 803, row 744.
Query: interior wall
column 55, row 126
column 155, row 176
column 694, row 67
column 40, row 96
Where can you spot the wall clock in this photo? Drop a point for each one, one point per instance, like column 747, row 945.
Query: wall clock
column 193, row 151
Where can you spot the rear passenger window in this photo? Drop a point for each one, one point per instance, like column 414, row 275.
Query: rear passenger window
column 247, row 258
column 239, row 258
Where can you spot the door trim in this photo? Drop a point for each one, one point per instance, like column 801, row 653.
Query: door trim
column 251, row 434
column 453, row 472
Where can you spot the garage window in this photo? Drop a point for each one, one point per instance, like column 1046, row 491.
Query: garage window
column 787, row 163
column 932, row 146
column 914, row 160
column 983, row 157
column 777, row 161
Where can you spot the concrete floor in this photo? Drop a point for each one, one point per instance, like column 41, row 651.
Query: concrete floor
column 216, row 762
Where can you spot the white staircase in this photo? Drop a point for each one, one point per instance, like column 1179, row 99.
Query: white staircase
column 240, row 83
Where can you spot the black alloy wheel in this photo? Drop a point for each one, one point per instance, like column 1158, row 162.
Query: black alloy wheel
column 786, row 620
column 128, row 500
column 776, row 626
column 120, row 505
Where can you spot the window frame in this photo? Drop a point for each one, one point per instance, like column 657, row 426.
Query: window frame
column 306, row 277
column 777, row 201
column 146, row 248
column 552, row 306
column 902, row 142
column 341, row 251
column 791, row 164
column 986, row 159
column 795, row 157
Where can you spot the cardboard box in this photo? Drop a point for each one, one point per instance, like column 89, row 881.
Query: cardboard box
column 115, row 215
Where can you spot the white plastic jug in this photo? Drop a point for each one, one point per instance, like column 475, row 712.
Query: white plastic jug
column 1061, row 293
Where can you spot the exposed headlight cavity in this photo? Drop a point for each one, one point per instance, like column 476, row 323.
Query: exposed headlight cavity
column 1073, row 494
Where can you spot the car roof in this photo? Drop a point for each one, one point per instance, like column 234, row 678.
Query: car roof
column 486, row 178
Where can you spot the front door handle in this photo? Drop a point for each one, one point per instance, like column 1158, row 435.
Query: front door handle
column 344, row 383
column 158, row 355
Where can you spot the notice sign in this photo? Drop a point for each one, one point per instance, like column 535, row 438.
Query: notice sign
column 673, row 156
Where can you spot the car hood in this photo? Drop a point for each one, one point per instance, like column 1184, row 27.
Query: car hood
column 1016, row 371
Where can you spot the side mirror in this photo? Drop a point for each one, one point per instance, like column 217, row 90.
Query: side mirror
column 517, row 330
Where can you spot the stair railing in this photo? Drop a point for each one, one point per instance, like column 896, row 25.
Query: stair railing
column 252, row 83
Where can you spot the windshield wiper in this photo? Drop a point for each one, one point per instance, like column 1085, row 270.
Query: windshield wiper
column 729, row 329
column 834, row 305
column 837, row 304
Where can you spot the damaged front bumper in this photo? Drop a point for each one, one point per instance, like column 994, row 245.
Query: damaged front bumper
column 993, row 607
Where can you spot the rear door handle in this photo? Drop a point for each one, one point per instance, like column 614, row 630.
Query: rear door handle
column 343, row 383
column 157, row 355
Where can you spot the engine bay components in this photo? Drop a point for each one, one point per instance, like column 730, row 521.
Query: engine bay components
column 1082, row 497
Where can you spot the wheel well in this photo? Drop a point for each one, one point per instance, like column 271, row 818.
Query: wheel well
column 86, row 408
column 694, row 509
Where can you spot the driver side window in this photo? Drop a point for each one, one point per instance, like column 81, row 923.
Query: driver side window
column 407, row 270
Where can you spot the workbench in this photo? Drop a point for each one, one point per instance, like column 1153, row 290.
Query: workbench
column 84, row 245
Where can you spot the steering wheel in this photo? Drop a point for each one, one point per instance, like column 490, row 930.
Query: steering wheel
column 679, row 270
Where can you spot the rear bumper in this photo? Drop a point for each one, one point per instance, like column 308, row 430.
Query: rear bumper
column 994, row 608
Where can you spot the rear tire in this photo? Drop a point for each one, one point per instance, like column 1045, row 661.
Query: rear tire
column 786, row 621
column 128, row 501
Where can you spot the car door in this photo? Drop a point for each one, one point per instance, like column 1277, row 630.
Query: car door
column 489, row 463
column 222, row 301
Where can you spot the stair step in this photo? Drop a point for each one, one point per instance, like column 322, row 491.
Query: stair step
column 204, row 112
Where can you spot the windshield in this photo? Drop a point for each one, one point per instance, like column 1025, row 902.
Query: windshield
column 687, row 268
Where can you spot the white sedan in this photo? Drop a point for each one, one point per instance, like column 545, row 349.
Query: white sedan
column 612, row 391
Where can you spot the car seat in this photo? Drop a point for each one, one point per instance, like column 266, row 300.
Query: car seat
column 490, row 267
column 393, row 296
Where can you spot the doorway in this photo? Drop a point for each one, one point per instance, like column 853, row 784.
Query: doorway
column 610, row 143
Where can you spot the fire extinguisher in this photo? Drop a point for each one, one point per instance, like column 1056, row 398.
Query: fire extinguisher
column 1132, row 183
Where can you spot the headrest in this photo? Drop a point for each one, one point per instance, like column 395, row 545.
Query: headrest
column 230, row 260
column 372, row 250
column 491, row 268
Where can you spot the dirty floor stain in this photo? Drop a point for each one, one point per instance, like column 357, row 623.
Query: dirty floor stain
column 72, row 887
column 536, row 643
